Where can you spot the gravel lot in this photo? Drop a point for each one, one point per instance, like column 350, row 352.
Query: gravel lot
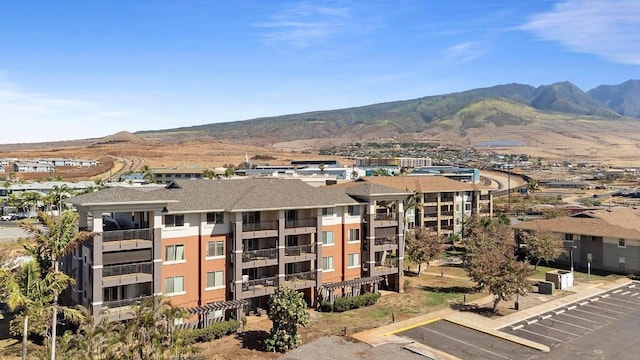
column 338, row 348
column 9, row 231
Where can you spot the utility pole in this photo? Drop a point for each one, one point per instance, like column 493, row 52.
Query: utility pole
column 509, row 184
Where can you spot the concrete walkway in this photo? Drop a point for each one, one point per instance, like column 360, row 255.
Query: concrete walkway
column 386, row 334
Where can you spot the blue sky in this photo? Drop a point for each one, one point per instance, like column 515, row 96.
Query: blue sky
column 83, row 69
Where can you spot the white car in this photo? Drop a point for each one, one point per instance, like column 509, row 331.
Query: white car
column 6, row 217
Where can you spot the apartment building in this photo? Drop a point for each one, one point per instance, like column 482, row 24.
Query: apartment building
column 443, row 203
column 219, row 247
column 604, row 239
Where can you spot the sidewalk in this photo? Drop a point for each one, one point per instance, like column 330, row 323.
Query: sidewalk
column 386, row 334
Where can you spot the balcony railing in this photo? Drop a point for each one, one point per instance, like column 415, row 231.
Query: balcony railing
column 446, row 213
column 262, row 254
column 446, row 199
column 388, row 217
column 431, row 214
column 260, row 226
column 298, row 250
column 254, row 284
column 386, row 241
column 446, row 227
column 137, row 268
column 387, row 263
column 124, row 302
column 298, row 223
column 302, row 276
column 133, row 234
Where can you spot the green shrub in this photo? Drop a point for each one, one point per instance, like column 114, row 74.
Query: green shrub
column 354, row 302
column 634, row 276
column 215, row 331
column 326, row 306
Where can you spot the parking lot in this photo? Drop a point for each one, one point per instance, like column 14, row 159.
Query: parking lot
column 599, row 327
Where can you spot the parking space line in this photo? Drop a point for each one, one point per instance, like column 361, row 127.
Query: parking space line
column 622, row 300
column 625, row 293
column 544, row 336
column 572, row 324
column 464, row 342
column 577, row 317
column 634, row 294
column 592, row 313
column 517, row 327
column 632, row 286
column 607, row 309
column 558, row 330
column 617, row 305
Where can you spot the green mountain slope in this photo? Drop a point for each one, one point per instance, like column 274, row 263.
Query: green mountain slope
column 623, row 99
column 510, row 104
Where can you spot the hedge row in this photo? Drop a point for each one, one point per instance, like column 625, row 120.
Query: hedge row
column 348, row 303
column 215, row 331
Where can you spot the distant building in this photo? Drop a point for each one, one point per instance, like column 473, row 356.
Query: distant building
column 30, row 167
column 315, row 163
column 407, row 162
column 166, row 175
column 452, row 172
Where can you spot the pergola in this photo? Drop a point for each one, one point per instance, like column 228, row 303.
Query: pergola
column 354, row 287
column 206, row 313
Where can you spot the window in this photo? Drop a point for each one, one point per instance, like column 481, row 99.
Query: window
column 354, row 235
column 174, row 220
column 174, row 285
column 174, row 253
column 215, row 248
column 568, row 237
column 215, row 218
column 622, row 262
column 354, row 260
column 327, row 263
column 327, row 212
column 215, row 279
column 354, row 210
column 467, row 207
column 622, row 243
column 327, row 238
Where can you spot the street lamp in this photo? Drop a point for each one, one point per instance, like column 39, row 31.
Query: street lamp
column 571, row 255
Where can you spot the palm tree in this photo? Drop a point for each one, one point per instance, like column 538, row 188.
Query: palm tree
column 534, row 186
column 58, row 237
column 59, row 193
column 147, row 174
column 209, row 173
column 31, row 200
column 33, row 295
column 412, row 202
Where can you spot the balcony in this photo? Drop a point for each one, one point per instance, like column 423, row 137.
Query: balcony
column 261, row 257
column 446, row 213
column 446, row 199
column 260, row 229
column 119, row 240
column 387, row 266
column 386, row 243
column 384, row 219
column 301, row 280
column 300, row 226
column 115, row 275
column 432, row 215
column 259, row 287
column 300, row 253
column 122, row 309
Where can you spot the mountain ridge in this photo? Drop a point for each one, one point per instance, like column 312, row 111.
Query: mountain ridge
column 414, row 116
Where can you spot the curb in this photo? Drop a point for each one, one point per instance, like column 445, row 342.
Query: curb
column 499, row 334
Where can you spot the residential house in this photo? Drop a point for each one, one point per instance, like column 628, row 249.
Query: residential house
column 605, row 239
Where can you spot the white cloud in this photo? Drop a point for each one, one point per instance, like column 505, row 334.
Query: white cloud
column 464, row 52
column 36, row 117
column 304, row 24
column 610, row 29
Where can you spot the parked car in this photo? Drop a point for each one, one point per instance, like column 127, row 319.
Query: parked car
column 7, row 217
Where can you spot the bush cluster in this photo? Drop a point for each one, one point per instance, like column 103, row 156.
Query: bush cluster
column 348, row 303
column 215, row 331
